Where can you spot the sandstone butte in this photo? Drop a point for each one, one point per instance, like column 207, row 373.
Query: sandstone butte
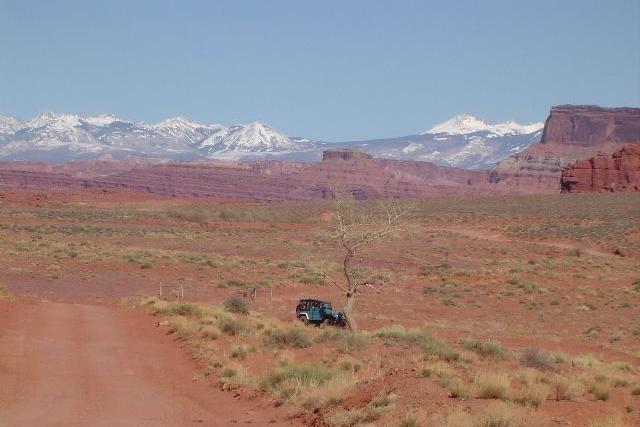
column 571, row 133
column 602, row 172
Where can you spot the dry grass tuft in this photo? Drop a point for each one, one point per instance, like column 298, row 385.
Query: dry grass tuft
column 564, row 388
column 485, row 348
column 612, row 421
column 294, row 337
column 368, row 414
column 183, row 327
column 492, row 385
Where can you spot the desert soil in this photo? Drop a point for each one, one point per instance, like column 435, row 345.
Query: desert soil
column 65, row 364
column 554, row 272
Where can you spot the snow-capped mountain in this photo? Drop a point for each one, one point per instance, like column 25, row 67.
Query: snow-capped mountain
column 59, row 137
column 464, row 141
column 255, row 137
column 465, row 124
column 9, row 124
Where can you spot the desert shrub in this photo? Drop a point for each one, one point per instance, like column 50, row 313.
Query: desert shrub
column 239, row 352
column 611, row 421
column 182, row 327
column 291, row 380
column 209, row 332
column 229, row 373
column 485, row 348
column 533, row 395
column 636, row 391
column 492, row 385
column 181, row 308
column 292, row 337
column 311, row 279
column 236, row 304
column 563, row 388
column 409, row 421
column 398, row 334
column 350, row 366
column 430, row 346
column 329, row 394
column 599, row 392
column 534, row 357
column 623, row 367
column 232, row 326
column 4, row 292
column 345, row 341
column 157, row 305
column 434, row 348
column 458, row 389
column 356, row 416
column 559, row 357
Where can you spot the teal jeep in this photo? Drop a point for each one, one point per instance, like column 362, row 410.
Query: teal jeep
column 317, row 312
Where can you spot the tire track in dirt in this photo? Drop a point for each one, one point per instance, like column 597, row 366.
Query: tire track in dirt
column 81, row 365
column 501, row 238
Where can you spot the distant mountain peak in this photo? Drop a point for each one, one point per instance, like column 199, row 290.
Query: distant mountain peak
column 464, row 124
column 184, row 123
column 102, row 119
column 252, row 137
column 59, row 120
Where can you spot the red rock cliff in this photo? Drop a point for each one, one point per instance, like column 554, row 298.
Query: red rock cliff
column 617, row 172
column 591, row 125
column 571, row 132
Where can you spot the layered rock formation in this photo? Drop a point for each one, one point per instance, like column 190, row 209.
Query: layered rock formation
column 591, row 125
column 360, row 174
column 617, row 172
column 571, row 132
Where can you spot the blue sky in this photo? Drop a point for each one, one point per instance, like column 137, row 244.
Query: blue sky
column 331, row 70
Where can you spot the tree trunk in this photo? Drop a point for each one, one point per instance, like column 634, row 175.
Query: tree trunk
column 348, row 312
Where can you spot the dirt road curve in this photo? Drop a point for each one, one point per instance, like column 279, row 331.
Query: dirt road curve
column 82, row 365
column 496, row 237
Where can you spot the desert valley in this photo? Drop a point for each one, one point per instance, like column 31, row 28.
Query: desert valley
column 320, row 213
column 507, row 297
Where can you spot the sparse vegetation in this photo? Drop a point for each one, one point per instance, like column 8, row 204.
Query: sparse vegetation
column 292, row 337
column 485, row 348
column 534, row 357
column 492, row 385
column 514, row 286
column 237, row 305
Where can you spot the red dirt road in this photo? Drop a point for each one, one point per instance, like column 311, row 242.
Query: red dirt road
column 83, row 365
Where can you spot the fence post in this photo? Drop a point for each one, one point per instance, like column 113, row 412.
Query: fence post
column 181, row 291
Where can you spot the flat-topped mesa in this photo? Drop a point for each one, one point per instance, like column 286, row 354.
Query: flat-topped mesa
column 617, row 172
column 330, row 155
column 590, row 125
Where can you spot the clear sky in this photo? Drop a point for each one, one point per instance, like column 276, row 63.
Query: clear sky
column 330, row 70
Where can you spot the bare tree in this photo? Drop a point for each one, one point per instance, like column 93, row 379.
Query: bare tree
column 357, row 226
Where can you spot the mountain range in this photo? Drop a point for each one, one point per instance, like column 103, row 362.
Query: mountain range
column 464, row 141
